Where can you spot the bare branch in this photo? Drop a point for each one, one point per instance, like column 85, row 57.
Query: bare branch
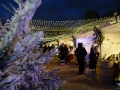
column 7, row 8
column 12, row 7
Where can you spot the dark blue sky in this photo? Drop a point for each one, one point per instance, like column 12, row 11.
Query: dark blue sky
column 64, row 9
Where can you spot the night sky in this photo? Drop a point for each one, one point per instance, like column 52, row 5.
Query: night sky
column 63, row 9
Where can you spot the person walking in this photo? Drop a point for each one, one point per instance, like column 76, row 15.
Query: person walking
column 80, row 53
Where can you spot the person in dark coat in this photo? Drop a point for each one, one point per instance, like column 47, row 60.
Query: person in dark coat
column 93, row 56
column 80, row 53
column 52, row 46
column 63, row 53
column 45, row 48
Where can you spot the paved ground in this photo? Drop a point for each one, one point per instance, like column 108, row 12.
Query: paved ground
column 78, row 82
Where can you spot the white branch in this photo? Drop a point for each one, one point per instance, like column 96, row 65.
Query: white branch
column 7, row 9
column 12, row 7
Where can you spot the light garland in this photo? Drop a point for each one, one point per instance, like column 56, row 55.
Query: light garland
column 72, row 27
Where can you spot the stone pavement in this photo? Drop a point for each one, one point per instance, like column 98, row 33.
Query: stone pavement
column 86, row 81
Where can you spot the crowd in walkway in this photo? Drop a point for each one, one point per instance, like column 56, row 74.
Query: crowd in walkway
column 68, row 53
column 78, row 55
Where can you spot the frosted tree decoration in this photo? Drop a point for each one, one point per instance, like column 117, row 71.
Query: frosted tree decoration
column 18, row 27
column 21, row 59
column 29, row 73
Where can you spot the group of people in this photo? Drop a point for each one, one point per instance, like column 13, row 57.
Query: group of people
column 81, row 53
column 66, row 53
column 63, row 54
column 47, row 47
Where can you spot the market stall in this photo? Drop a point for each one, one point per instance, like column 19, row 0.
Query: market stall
column 109, row 50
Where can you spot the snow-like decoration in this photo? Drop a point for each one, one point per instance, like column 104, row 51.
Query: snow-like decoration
column 18, row 25
column 21, row 58
column 17, row 46
column 29, row 73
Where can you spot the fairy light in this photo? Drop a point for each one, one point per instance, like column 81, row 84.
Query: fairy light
column 74, row 26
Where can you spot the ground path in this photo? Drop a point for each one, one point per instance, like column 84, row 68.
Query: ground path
column 78, row 82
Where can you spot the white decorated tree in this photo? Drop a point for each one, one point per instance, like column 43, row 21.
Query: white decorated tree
column 21, row 60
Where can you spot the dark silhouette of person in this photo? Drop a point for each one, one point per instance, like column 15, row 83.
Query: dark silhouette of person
column 45, row 48
column 93, row 56
column 115, row 15
column 63, row 55
column 80, row 53
column 52, row 46
column 66, row 53
column 96, row 52
column 49, row 48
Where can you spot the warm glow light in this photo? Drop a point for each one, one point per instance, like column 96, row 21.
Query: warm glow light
column 79, row 25
column 116, row 61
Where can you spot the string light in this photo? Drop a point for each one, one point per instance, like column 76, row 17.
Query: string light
column 68, row 27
